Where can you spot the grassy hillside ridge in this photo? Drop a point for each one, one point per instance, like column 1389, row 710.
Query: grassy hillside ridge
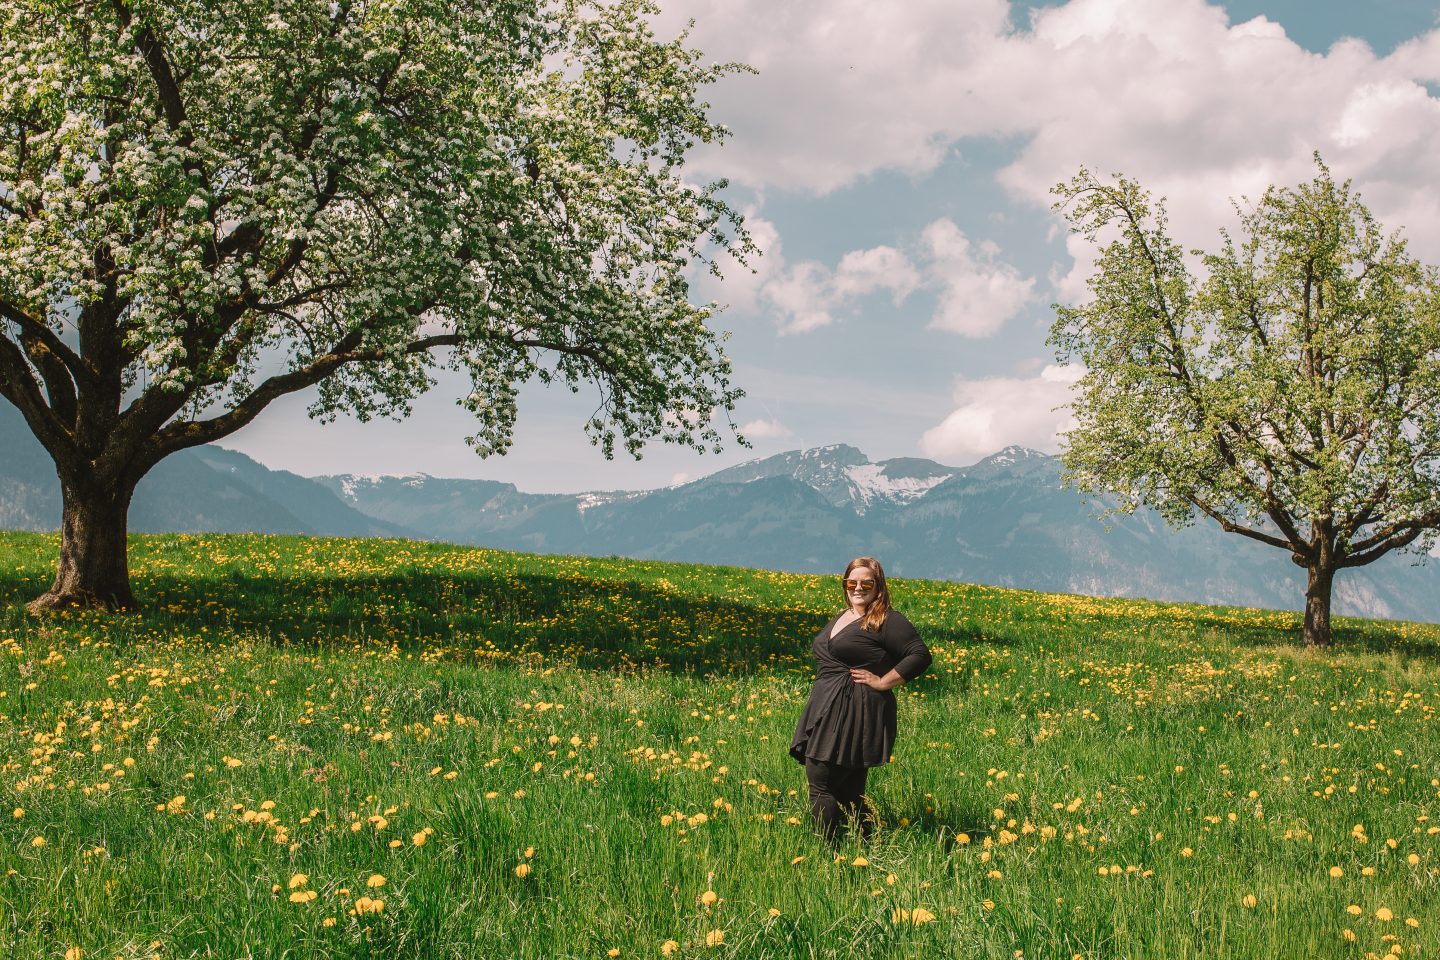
column 295, row 730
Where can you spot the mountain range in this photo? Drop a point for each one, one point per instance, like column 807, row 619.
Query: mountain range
column 1006, row 521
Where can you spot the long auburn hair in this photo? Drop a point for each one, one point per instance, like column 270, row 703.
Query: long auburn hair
column 879, row 604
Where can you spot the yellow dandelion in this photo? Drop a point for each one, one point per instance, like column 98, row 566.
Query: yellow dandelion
column 522, row 870
column 364, row 905
column 714, row 938
column 1248, row 900
column 376, row 880
column 613, row 952
column 859, row 862
column 1354, row 910
column 74, row 953
column 303, row 896
column 1411, row 922
column 668, row 948
column 1336, row 872
column 988, row 904
column 37, row 841
column 419, row 838
column 1348, row 934
column 1384, row 914
column 708, row 898
column 796, row 860
column 1187, row 852
column 773, row 913
column 19, row 813
column 1413, row 859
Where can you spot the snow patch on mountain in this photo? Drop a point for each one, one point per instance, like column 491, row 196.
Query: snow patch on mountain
column 585, row 501
column 871, row 483
column 600, row 498
column 1012, row 455
column 352, row 482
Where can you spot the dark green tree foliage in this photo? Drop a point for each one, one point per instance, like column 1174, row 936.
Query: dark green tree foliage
column 1290, row 391
column 366, row 189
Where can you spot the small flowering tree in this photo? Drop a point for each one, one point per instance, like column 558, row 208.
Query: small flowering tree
column 1292, row 394
column 208, row 205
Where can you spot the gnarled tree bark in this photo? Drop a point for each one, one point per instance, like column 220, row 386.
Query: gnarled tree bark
column 94, row 569
column 1318, row 587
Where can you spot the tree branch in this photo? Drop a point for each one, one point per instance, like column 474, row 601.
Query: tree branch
column 1230, row 526
column 60, row 387
column 180, row 435
column 18, row 385
column 1399, row 539
column 41, row 331
column 150, row 48
column 1381, row 541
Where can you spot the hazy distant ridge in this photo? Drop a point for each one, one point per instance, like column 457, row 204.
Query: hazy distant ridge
column 1005, row 520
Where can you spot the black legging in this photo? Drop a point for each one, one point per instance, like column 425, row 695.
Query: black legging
column 836, row 796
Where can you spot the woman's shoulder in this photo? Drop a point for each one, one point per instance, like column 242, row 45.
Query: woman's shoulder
column 897, row 622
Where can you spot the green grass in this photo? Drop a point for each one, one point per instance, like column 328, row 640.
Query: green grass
column 1107, row 778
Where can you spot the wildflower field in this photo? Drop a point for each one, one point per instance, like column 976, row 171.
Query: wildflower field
column 327, row 748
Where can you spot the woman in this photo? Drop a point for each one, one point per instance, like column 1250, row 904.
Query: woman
column 849, row 722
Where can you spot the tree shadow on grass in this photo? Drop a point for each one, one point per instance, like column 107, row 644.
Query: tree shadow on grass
column 1348, row 635
column 594, row 622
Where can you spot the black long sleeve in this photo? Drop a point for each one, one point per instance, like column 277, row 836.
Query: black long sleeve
column 902, row 642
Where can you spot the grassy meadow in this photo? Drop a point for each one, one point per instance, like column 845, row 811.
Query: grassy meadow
column 327, row 748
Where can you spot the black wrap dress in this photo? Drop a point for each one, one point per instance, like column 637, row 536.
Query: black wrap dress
column 849, row 723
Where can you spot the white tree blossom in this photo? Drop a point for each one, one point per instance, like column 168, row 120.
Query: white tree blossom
column 368, row 189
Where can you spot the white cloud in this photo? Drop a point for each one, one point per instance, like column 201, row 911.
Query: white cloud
column 863, row 272
column 1170, row 93
column 976, row 296
column 976, row 293
column 845, row 87
column 810, row 295
column 802, row 297
column 764, row 430
column 995, row 412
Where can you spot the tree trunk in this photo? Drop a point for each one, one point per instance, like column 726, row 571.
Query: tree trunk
column 1317, row 606
column 94, row 569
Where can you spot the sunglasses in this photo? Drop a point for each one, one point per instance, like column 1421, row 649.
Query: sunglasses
column 859, row 585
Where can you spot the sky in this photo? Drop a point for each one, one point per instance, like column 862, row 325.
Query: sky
column 894, row 163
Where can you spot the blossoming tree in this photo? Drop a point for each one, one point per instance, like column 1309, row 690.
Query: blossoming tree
column 1292, row 394
column 208, row 205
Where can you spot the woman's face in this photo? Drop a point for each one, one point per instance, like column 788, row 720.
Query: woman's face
column 860, row 586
